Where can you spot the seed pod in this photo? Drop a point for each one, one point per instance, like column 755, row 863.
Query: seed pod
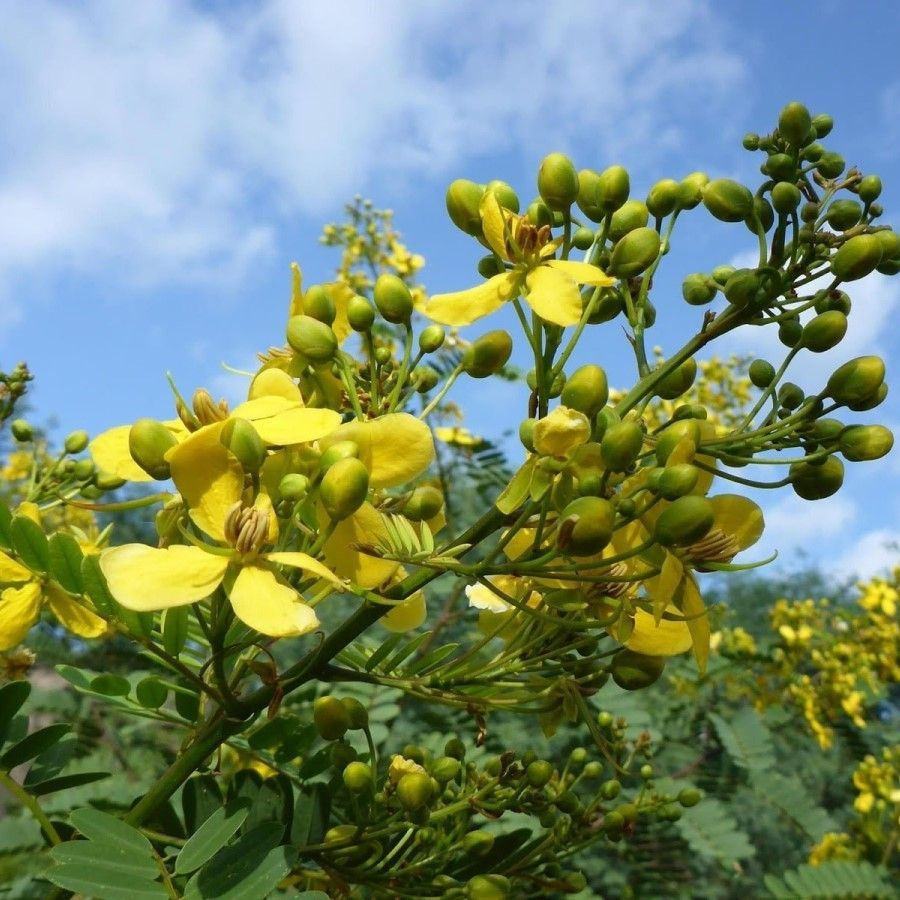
column 786, row 197
column 629, row 216
column 415, row 790
column 393, row 299
column 557, row 181
column 76, row 441
column 621, row 445
column 869, row 188
column 330, row 718
column 487, row 355
column 635, row 252
column 504, row 193
column 831, row 165
column 862, row 443
column 698, row 289
column 844, row 214
column 360, row 314
column 21, row 431
column 679, row 381
column 586, row 390
column 663, row 197
column 794, row 122
column 632, row 672
column 317, row 303
column 425, row 502
column 690, row 189
column 586, row 526
column 687, row 520
column 857, row 380
column 243, row 441
column 678, row 481
column 824, row 331
column 464, row 205
column 312, row 339
column 817, row 482
column 727, row 200
column 761, row 373
column 358, row 777
column 148, row 443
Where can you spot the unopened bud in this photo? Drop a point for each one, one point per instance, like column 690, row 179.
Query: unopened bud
column 244, row 442
column 330, row 718
column 393, row 299
column 857, row 380
column 586, row 390
column 148, row 443
column 857, row 258
column 687, row 520
column 312, row 339
column 344, row 487
column 635, row 252
column 424, row 503
column 463, row 205
column 815, row 482
column 586, row 526
column 317, row 303
column 557, row 181
column 21, row 430
column 728, row 200
column 360, row 314
column 76, row 441
column 634, row 671
column 487, row 355
column 862, row 443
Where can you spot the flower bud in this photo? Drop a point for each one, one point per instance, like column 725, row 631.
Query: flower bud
column 344, row 487
column 815, row 482
column 585, row 526
column 21, row 430
column 613, row 188
column 763, row 214
column 663, row 197
column 698, row 289
column 505, row 195
column 761, row 373
column 244, row 442
column 790, row 395
column 103, row 480
column 635, row 252
column 336, row 451
column 293, row 486
column 445, row 769
column 634, row 671
column 312, row 339
column 360, row 314
column 425, row 502
column 688, row 797
column 786, row 197
column 824, row 331
column 487, row 355
column 621, row 445
column 890, row 244
column 687, row 520
column 341, row 755
column 631, row 215
column 358, row 777
column 586, row 390
column 823, row 123
column 393, row 299
column 83, row 469
column 582, row 238
column 557, row 181
column 488, row 887
column 844, row 214
column 670, row 436
column 780, row 167
column 831, row 165
column 679, row 381
column 869, row 188
column 750, row 141
column 526, row 434
column 76, row 441
column 539, row 214
column 477, row 842
column 424, row 378
column 415, row 790
column 862, row 443
column 359, row 715
column 148, row 443
column 742, row 287
column 856, row 381
column 464, row 204
column 728, row 200
column 678, row 481
column 790, row 332
column 690, row 190
column 431, row 338
column 588, row 200
column 857, row 257
column 317, row 303
column 331, row 718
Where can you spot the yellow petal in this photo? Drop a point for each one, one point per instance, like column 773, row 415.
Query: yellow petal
column 407, row 615
column 661, row 588
column 274, row 382
column 583, row 273
column 72, row 615
column 19, row 610
column 553, row 296
column 464, row 307
column 394, row 448
column 340, row 294
column 261, row 601
column 296, row 308
column 739, row 517
column 30, row 510
column 493, row 223
column 146, row 578
column 365, row 526
column 561, row 432
column 111, row 455
column 305, row 562
column 667, row 639
column 691, row 603
column 281, row 423
column 13, row 571
column 208, row 477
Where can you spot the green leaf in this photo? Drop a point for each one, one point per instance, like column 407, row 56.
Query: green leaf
column 311, row 895
column 111, row 685
column 513, row 495
column 209, row 838
column 833, row 880
column 19, row 834
column 75, row 676
column 12, row 697
column 381, row 652
column 30, row 543
column 711, row 831
column 97, row 855
column 32, row 745
column 249, row 869
column 65, row 561
column 103, row 883
column 274, row 802
column 64, row 782
column 311, row 815
column 200, row 798
column 746, row 738
column 403, row 652
column 174, row 625
column 432, row 660
column 52, row 761
column 789, row 797
column 107, row 829
column 5, row 531
column 150, row 692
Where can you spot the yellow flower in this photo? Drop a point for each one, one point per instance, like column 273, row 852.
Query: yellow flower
column 668, row 637
column 561, row 432
column 457, row 436
column 549, row 286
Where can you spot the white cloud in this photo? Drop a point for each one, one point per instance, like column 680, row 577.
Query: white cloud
column 793, row 522
column 143, row 140
column 873, row 553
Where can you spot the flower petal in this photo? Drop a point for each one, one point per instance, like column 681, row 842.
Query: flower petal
column 738, row 517
column 274, row 382
column 365, row 526
column 13, row 571
column 261, row 601
column 19, row 610
column 691, row 603
column 582, row 273
column 668, row 638
column 208, row 477
column 281, row 423
column 72, row 615
column 553, row 296
column 407, row 615
column 340, row 294
column 111, row 455
column 146, row 578
column 493, row 223
column 305, row 562
column 296, row 307
column 561, row 432
column 464, row 307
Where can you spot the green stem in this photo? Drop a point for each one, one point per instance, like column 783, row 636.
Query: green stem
column 32, row 806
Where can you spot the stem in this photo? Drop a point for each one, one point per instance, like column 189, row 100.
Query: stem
column 442, row 392
column 32, row 806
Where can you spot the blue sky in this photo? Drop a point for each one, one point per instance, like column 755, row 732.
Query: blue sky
column 161, row 165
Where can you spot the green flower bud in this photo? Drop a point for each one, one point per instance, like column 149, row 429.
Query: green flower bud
column 358, row 714
column 635, row 252
column 721, row 274
column 890, row 244
column 338, row 450
column 455, row 748
column 344, row 487
column 687, row 520
column 424, row 378
column 632, row 672
column 445, row 769
column 431, row 338
column 586, row 526
column 815, row 482
column 589, row 197
column 672, row 434
column 750, row 141
column 826, row 431
column 629, row 216
column 869, row 188
column 148, row 443
column 679, row 381
column 690, row 190
column 358, row 777
column 727, row 200
column 317, row 303
column 871, row 402
column 312, row 339
column 293, row 487
column 790, row 395
column 613, row 188
column 330, row 718
column 831, row 165
column 360, row 314
column 464, row 205
column 663, row 197
column 341, row 755
column 688, row 797
column 844, row 214
column 857, row 380
column 393, row 299
column 593, row 769
column 539, row 773
column 786, row 197
column 424, row 502
column 790, row 332
column 339, row 834
column 586, row 390
column 104, row 481
column 487, row 355
column 91, row 492
column 557, row 181
column 76, row 441
column 763, row 214
column 780, row 167
column 861, row 443
column 812, row 152
column 611, row 303
column 415, row 790
column 488, row 887
column 810, row 212
column 621, row 445
column 823, row 123
column 539, row 214
column 824, row 331
column 678, row 481
column 583, row 238
column 83, row 469
column 762, row 373
column 243, row 441
column 742, row 287
column 794, row 123
column 21, row 430
column 698, row 289
column 384, row 357
column 477, row 842
column 489, row 266
column 505, row 195
column 526, row 434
